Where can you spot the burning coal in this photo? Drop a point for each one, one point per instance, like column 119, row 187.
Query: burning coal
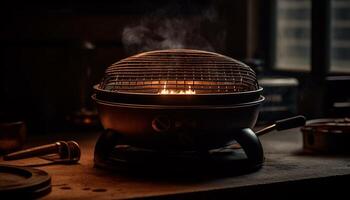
column 165, row 90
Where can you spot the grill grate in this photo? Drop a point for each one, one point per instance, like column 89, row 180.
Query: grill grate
column 178, row 71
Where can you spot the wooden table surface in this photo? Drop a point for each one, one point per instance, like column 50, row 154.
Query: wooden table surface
column 286, row 167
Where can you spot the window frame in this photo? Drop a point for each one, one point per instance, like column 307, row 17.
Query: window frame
column 320, row 42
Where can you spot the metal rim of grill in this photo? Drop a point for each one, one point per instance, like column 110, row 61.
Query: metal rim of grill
column 179, row 70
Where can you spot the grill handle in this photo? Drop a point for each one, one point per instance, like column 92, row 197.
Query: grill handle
column 283, row 124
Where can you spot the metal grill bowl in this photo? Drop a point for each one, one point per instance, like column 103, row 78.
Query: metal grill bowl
column 217, row 79
column 222, row 97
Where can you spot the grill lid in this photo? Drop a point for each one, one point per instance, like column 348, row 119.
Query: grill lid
column 178, row 77
column 179, row 71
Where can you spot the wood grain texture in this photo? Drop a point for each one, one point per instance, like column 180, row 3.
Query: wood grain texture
column 286, row 168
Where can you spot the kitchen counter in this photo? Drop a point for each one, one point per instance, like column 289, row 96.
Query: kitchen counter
column 287, row 171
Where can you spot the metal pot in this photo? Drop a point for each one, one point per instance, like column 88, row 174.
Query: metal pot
column 178, row 127
column 327, row 135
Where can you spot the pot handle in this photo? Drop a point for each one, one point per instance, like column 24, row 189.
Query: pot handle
column 283, row 124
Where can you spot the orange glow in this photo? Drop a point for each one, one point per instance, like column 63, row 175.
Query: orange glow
column 166, row 91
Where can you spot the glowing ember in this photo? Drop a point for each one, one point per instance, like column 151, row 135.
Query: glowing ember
column 166, row 91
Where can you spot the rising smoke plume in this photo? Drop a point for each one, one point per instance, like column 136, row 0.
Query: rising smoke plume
column 158, row 31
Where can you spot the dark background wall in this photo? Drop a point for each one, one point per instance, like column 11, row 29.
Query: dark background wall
column 46, row 49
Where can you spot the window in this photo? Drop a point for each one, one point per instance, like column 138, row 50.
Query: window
column 293, row 35
column 340, row 36
column 293, row 26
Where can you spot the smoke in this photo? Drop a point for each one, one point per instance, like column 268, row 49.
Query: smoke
column 158, row 30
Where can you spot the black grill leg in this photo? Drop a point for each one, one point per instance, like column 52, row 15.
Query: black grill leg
column 251, row 146
column 104, row 146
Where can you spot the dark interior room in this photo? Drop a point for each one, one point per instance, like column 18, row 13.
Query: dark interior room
column 176, row 99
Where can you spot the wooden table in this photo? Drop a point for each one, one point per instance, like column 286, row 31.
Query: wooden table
column 287, row 171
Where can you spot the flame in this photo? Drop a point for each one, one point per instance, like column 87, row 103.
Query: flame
column 166, row 91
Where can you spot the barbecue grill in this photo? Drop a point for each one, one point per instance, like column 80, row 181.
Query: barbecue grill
column 178, row 100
